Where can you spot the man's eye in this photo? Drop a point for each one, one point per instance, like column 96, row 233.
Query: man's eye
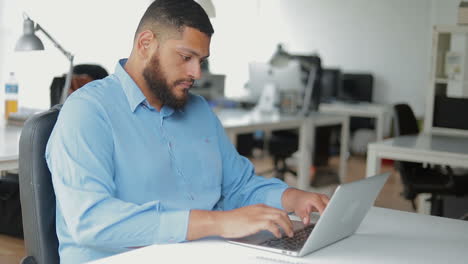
column 185, row 58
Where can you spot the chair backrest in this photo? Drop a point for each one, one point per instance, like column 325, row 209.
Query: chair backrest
column 36, row 190
column 82, row 74
column 405, row 121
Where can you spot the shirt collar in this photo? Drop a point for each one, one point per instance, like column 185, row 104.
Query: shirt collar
column 133, row 93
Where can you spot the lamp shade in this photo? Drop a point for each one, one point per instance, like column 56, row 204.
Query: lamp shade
column 28, row 41
column 281, row 58
column 208, row 7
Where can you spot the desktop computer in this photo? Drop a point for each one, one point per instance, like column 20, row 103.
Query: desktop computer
column 210, row 86
column 331, row 82
column 356, row 87
column 287, row 81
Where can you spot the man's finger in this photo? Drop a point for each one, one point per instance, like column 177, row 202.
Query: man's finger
column 306, row 219
column 319, row 205
column 281, row 219
column 273, row 228
column 325, row 199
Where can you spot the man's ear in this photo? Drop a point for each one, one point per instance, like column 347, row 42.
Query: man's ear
column 145, row 40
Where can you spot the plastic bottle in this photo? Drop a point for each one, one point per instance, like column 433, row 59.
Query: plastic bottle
column 11, row 95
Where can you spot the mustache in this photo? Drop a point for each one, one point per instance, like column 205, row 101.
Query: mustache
column 190, row 81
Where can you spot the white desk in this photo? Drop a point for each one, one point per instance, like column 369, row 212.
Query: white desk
column 240, row 121
column 424, row 148
column 378, row 111
column 442, row 150
column 235, row 122
column 385, row 236
column 9, row 143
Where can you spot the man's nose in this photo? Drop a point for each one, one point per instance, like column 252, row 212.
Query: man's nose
column 194, row 70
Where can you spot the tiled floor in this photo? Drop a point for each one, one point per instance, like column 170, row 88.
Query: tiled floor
column 12, row 249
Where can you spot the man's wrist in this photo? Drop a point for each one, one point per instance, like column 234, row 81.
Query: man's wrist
column 203, row 223
column 288, row 199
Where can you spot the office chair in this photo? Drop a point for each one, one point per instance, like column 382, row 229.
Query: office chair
column 82, row 74
column 36, row 192
column 416, row 177
column 284, row 143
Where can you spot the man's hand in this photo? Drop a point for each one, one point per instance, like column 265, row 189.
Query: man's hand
column 303, row 203
column 239, row 222
column 251, row 219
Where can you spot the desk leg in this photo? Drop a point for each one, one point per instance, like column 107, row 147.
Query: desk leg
column 379, row 130
column 344, row 149
column 373, row 162
column 306, row 149
column 233, row 137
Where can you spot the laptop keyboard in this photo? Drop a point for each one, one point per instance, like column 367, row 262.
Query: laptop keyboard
column 291, row 243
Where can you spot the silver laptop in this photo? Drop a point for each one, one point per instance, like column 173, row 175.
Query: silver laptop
column 343, row 215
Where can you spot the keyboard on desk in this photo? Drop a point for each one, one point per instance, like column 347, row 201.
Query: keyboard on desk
column 291, row 243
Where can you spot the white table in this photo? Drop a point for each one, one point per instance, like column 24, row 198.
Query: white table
column 385, row 236
column 9, row 145
column 241, row 121
column 442, row 150
column 235, row 122
column 424, row 148
column 378, row 111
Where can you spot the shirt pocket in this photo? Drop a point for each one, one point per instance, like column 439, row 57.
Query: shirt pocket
column 207, row 162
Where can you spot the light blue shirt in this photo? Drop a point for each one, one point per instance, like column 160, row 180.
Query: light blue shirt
column 126, row 175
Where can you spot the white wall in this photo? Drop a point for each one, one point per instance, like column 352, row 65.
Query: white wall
column 94, row 31
column 444, row 11
column 391, row 39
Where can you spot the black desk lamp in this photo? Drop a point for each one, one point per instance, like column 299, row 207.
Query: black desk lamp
column 29, row 41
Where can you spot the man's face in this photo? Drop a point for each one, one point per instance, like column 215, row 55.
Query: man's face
column 175, row 65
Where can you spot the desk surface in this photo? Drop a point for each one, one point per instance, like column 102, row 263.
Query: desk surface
column 385, row 236
column 9, row 139
column 442, row 150
column 237, row 121
column 445, row 145
column 359, row 109
column 237, row 118
column 378, row 111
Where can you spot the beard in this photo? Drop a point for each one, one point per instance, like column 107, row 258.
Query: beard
column 159, row 87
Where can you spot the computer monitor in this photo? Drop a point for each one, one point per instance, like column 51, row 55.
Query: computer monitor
column 285, row 79
column 210, row 86
column 356, row 87
column 330, row 84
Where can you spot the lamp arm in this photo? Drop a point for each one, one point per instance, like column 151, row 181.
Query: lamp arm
column 68, row 78
column 308, row 92
column 56, row 44
column 70, row 58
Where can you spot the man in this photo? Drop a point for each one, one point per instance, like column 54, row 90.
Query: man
column 138, row 160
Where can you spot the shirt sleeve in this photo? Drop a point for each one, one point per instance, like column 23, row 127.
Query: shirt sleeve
column 241, row 187
column 80, row 157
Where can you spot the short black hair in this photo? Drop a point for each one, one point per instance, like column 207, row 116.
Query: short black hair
column 162, row 15
column 94, row 71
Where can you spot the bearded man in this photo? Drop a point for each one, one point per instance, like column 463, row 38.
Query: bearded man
column 136, row 159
